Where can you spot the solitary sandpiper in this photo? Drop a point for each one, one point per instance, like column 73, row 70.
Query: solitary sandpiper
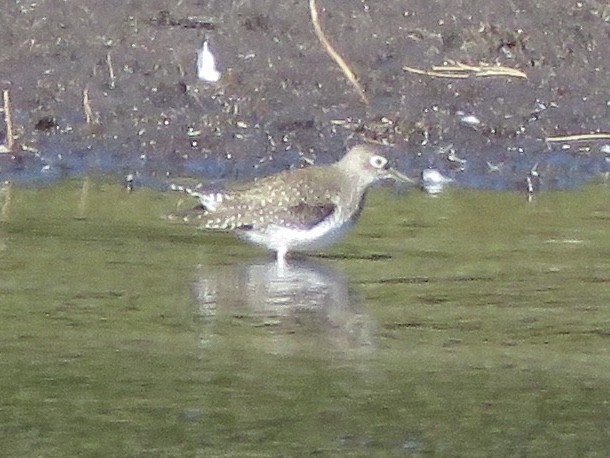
column 296, row 210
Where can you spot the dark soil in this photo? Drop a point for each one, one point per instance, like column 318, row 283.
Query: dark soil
column 283, row 102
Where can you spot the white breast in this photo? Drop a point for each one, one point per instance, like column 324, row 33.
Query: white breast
column 278, row 238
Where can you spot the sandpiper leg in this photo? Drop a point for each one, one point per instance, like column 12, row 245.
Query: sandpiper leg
column 281, row 257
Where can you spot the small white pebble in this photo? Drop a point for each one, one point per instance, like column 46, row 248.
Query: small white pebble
column 206, row 65
column 433, row 181
column 470, row 120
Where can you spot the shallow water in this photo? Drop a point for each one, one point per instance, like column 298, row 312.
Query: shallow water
column 470, row 324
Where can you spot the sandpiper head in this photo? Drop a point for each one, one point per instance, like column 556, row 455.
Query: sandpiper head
column 368, row 164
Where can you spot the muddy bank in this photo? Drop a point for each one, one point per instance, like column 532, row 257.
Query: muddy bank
column 282, row 102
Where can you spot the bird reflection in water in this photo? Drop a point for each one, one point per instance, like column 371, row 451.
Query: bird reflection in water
column 295, row 301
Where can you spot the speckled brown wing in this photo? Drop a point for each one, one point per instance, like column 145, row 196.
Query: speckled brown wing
column 305, row 216
column 300, row 199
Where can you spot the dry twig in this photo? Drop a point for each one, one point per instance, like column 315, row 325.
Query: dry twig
column 85, row 191
column 87, row 106
column 578, row 137
column 345, row 68
column 8, row 120
column 460, row 70
column 112, row 82
column 6, row 191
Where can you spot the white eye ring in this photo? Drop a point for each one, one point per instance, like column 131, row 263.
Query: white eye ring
column 378, row 162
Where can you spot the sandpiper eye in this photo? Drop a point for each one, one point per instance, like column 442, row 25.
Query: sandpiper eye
column 378, row 162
